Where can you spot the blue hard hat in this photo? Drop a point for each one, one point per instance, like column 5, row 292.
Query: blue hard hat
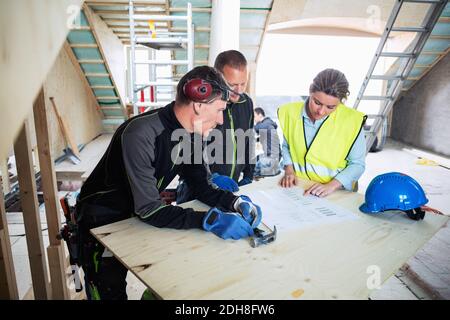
column 393, row 191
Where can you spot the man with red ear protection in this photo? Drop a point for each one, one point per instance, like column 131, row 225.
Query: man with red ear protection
column 237, row 163
column 140, row 162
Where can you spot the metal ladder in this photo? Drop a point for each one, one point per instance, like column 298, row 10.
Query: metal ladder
column 405, row 65
column 164, row 40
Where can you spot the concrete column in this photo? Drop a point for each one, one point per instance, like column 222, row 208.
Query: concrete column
column 224, row 27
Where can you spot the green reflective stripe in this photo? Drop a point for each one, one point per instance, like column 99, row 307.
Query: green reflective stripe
column 95, row 295
column 160, row 182
column 148, row 295
column 233, row 138
column 94, row 258
column 152, row 212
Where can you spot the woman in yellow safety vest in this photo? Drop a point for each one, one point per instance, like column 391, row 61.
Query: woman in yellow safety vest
column 323, row 139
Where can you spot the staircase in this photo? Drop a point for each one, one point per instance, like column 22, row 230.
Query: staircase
column 436, row 47
column 429, row 45
column 85, row 46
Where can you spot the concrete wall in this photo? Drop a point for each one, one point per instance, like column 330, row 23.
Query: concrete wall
column 422, row 116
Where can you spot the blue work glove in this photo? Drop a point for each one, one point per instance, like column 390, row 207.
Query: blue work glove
column 224, row 182
column 226, row 225
column 244, row 181
column 251, row 212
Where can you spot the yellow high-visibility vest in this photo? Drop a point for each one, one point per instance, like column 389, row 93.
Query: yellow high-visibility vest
column 327, row 153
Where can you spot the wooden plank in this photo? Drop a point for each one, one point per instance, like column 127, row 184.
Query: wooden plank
column 80, row 72
column 266, row 25
column 329, row 261
column 98, row 75
column 108, row 98
column 83, row 45
column 4, row 175
column 125, row 3
column 125, row 12
column 66, row 132
column 90, row 156
column 111, row 50
column 430, row 67
column 102, row 87
column 111, row 108
column 8, row 284
column 57, row 267
column 91, row 61
column 70, row 175
column 52, row 207
column 23, row 22
column 32, row 221
column 81, row 28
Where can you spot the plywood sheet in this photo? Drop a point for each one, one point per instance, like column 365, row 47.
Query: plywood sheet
column 334, row 261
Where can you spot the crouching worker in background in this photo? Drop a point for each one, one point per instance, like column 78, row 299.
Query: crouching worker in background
column 268, row 163
column 323, row 139
column 140, row 162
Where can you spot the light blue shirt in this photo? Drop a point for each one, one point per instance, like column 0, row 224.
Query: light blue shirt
column 356, row 159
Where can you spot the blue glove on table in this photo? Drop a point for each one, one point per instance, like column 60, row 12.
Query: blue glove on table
column 244, row 181
column 226, row 225
column 224, row 182
column 251, row 212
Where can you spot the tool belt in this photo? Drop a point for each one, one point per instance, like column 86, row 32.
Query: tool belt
column 80, row 218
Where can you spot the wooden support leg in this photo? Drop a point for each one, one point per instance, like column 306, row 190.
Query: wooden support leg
column 50, row 191
column 30, row 208
column 8, row 284
column 4, row 175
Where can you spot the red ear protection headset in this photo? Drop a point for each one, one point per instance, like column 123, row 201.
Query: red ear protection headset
column 205, row 91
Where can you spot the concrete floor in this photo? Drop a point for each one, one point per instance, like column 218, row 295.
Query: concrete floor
column 425, row 276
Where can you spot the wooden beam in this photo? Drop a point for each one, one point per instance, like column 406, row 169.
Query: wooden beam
column 91, row 61
column 30, row 31
column 81, row 28
column 89, row 16
column 69, row 175
column 126, row 34
column 156, row 11
column 125, row 12
column 99, row 75
column 424, row 73
column 142, row 20
column 30, row 207
column 55, row 251
column 80, row 72
column 266, row 25
column 83, row 45
column 8, row 284
column 108, row 98
column 136, row 27
column 125, row 3
column 4, row 175
column 102, row 87
column 111, row 108
column 66, row 132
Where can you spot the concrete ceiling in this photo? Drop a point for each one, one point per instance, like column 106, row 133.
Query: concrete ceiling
column 340, row 17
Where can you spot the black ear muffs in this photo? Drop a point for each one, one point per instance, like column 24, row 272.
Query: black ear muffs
column 198, row 90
